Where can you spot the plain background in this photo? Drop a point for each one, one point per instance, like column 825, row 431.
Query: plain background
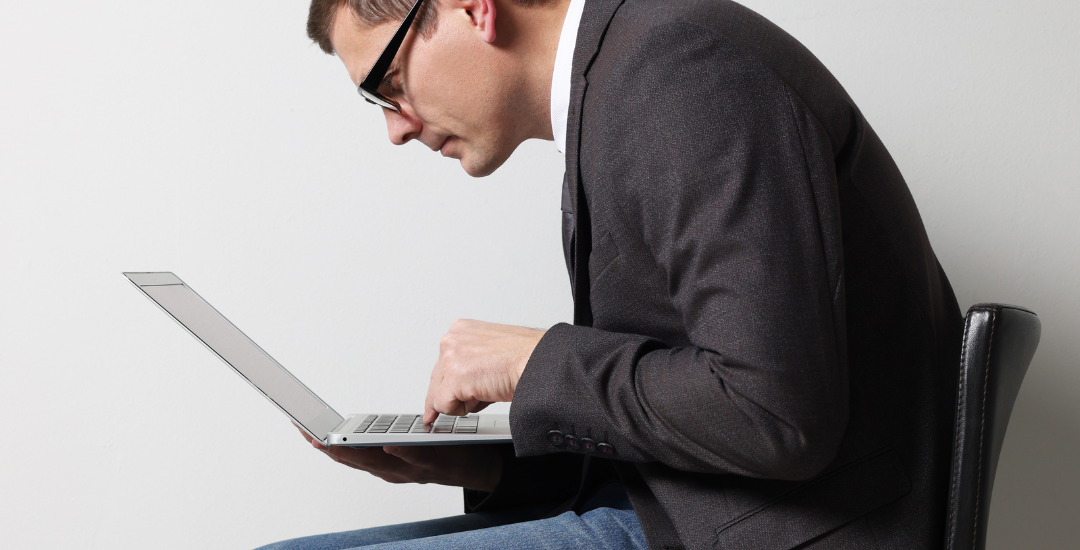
column 212, row 139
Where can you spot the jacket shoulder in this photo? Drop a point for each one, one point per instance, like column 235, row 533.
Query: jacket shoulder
column 750, row 37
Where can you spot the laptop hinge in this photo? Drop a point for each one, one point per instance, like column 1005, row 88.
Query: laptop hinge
column 340, row 426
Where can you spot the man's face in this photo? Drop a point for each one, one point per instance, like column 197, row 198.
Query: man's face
column 455, row 90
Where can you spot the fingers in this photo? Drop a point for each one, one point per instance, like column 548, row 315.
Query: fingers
column 426, row 457
column 453, row 407
column 475, row 405
column 381, row 464
column 370, row 459
column 430, row 414
column 445, row 377
column 443, row 392
column 478, row 363
column 473, row 466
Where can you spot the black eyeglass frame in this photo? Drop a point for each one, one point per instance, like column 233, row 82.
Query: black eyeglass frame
column 369, row 88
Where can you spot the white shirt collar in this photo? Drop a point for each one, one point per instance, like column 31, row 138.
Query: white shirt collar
column 560, row 78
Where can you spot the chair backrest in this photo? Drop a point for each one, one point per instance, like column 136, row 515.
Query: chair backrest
column 999, row 341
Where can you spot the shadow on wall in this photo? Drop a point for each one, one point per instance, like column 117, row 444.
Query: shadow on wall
column 1036, row 498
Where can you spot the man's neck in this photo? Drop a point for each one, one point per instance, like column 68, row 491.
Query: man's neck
column 533, row 35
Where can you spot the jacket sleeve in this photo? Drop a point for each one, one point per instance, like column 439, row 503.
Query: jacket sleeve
column 700, row 163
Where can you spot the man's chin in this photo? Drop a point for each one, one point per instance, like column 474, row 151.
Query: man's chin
column 481, row 167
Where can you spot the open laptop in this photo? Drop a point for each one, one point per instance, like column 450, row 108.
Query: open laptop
column 295, row 399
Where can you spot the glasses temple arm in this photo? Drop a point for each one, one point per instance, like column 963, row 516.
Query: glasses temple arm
column 378, row 70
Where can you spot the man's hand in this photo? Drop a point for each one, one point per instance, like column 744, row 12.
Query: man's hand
column 476, row 467
column 479, row 364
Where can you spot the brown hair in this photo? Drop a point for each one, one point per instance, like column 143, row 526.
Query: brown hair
column 321, row 15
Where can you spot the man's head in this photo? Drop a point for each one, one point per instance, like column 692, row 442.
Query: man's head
column 472, row 76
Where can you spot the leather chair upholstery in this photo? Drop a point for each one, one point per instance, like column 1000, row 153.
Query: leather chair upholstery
column 999, row 341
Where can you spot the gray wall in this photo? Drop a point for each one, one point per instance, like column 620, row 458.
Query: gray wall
column 211, row 139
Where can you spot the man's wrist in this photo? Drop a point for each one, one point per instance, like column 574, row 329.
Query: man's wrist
column 533, row 340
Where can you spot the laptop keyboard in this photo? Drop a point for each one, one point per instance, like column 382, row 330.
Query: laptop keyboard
column 414, row 424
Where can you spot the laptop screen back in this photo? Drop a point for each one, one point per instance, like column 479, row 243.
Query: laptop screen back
column 236, row 349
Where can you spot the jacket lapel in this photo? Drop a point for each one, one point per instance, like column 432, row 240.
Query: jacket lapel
column 568, row 241
column 594, row 23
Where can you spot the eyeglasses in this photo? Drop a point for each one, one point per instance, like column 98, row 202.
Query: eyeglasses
column 369, row 88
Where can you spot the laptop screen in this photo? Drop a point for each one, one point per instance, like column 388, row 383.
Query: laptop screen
column 236, row 349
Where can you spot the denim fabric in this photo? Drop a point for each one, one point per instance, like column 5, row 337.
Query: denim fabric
column 607, row 522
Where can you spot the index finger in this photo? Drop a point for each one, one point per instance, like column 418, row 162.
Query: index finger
column 430, row 414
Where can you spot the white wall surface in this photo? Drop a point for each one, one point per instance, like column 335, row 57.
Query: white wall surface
column 210, row 138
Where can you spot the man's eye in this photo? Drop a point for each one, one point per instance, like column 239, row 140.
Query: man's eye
column 389, row 82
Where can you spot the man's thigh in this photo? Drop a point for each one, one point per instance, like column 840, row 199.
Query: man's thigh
column 603, row 528
column 408, row 531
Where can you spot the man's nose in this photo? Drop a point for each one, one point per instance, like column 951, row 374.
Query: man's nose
column 402, row 127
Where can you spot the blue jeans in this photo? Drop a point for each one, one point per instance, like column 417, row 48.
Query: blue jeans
column 607, row 521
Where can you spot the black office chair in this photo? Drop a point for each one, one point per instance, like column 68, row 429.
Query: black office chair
column 999, row 341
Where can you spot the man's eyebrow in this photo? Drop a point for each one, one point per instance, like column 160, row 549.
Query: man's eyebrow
column 391, row 69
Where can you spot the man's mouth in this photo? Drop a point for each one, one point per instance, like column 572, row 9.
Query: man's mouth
column 442, row 148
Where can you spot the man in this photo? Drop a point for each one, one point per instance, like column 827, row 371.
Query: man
column 764, row 344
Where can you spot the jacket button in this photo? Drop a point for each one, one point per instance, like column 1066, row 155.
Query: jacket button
column 555, row 437
column 605, row 449
column 588, row 445
column 572, row 442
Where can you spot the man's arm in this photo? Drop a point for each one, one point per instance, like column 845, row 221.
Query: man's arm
column 718, row 195
column 720, row 187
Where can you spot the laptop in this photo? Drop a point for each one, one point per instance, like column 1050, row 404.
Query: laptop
column 305, row 408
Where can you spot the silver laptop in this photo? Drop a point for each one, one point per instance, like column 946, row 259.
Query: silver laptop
column 295, row 399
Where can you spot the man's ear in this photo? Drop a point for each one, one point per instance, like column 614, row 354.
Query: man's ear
column 481, row 14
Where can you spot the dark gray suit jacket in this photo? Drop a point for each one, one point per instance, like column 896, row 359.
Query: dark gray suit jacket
column 762, row 333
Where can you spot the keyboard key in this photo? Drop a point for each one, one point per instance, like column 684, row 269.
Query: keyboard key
column 402, row 424
column 411, row 423
column 364, row 424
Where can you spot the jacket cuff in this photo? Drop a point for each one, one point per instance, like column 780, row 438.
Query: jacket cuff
column 549, row 396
